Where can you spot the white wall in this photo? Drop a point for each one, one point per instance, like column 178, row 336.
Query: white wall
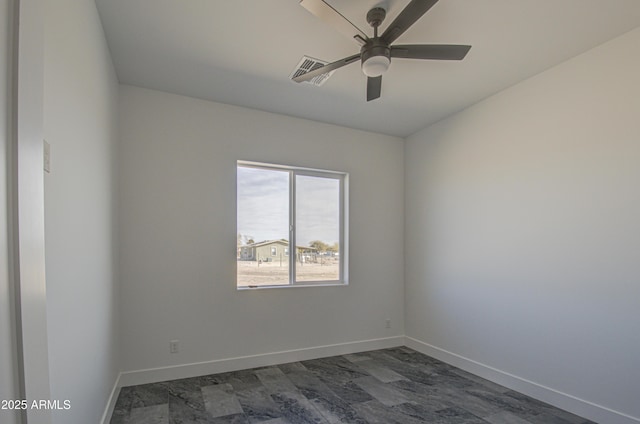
column 80, row 124
column 177, row 210
column 522, row 231
column 8, row 367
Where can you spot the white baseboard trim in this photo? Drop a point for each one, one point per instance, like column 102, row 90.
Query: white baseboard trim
column 575, row 405
column 154, row 375
column 111, row 402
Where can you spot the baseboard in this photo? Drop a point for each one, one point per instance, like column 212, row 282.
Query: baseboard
column 575, row 405
column 111, row 402
column 154, row 375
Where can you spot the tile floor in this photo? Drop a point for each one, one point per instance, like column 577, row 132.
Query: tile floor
column 389, row 386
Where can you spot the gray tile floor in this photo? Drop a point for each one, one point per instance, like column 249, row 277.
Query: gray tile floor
column 387, row 386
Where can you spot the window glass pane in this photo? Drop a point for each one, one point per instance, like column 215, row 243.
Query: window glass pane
column 263, row 227
column 317, row 228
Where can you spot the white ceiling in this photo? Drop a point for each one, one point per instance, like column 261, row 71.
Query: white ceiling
column 241, row 52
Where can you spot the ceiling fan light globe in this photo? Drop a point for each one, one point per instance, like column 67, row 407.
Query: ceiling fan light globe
column 375, row 66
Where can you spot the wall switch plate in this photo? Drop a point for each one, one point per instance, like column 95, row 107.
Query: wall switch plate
column 174, row 346
column 47, row 156
column 388, row 323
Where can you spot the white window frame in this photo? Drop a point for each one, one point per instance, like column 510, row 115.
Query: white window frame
column 343, row 242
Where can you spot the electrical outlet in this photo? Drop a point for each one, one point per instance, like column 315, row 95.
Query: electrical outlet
column 388, row 323
column 174, row 346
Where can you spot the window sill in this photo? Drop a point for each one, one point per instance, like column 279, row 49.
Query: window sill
column 299, row 285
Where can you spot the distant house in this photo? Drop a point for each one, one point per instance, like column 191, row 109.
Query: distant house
column 266, row 251
column 270, row 251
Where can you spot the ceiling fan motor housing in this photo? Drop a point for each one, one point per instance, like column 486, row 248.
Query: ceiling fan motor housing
column 376, row 57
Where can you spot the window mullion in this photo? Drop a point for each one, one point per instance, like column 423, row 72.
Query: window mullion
column 343, row 228
column 293, row 251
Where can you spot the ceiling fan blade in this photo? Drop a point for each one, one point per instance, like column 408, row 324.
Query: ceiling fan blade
column 325, row 12
column 327, row 68
column 430, row 51
column 374, row 86
column 406, row 18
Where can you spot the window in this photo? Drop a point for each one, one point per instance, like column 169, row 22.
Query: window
column 286, row 209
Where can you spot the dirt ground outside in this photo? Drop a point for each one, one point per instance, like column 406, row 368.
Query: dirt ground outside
column 251, row 273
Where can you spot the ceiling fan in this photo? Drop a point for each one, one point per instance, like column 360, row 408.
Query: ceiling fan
column 376, row 52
